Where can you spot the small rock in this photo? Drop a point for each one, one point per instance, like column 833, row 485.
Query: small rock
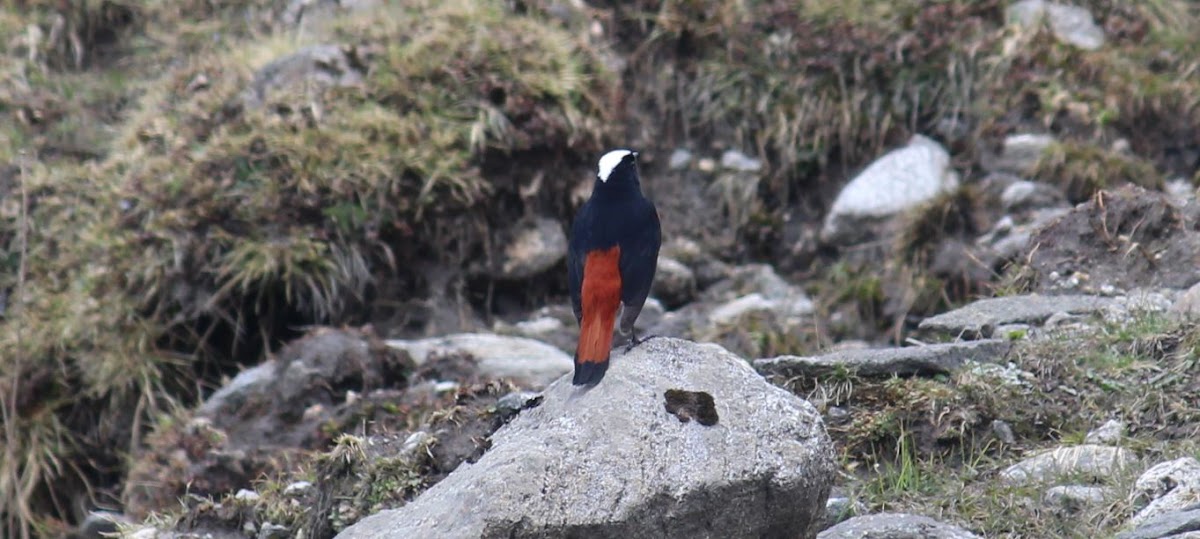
column 735, row 160
column 680, row 159
column 1024, row 195
column 310, row 15
column 415, row 442
column 273, row 531
column 1181, row 191
column 246, row 495
column 540, row 326
column 245, row 385
column 1071, row 24
column 1075, row 497
column 707, row 268
column 674, row 283
column 1022, row 152
column 1136, row 304
column 310, row 68
column 836, row 415
column 992, row 312
column 1175, row 525
column 299, row 487
column 1164, row 488
column 707, row 164
column 731, row 311
column 512, row 403
column 445, row 386
column 894, row 526
column 1109, row 433
column 1098, row 462
column 895, row 183
column 1187, row 307
column 940, row 358
column 525, row 361
column 1003, row 432
column 840, row 508
column 535, row 246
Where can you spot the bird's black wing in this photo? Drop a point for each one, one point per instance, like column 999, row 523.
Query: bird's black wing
column 639, row 260
column 576, row 255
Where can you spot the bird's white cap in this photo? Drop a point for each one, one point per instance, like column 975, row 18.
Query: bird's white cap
column 610, row 161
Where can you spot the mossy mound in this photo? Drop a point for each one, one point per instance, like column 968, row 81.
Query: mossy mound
column 215, row 221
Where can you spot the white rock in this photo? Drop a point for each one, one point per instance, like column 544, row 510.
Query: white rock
column 735, row 160
column 1136, row 304
column 1071, row 24
column 680, row 158
column 1180, row 191
column 1073, row 497
column 540, row 325
column 526, row 361
column 1187, row 307
column 1093, row 461
column 1030, row 195
column 1166, row 487
column 731, row 311
column 415, row 442
column 1109, row 433
column 247, row 382
column 674, row 282
column 297, row 488
column 1022, row 151
column 535, row 247
column 899, row 181
column 246, row 495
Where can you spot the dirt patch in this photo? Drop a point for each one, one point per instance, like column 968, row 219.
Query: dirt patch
column 1125, row 238
column 391, row 461
column 317, row 386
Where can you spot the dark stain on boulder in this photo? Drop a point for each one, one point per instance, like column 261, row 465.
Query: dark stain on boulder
column 688, row 405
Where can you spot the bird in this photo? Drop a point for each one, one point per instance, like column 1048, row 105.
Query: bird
column 611, row 260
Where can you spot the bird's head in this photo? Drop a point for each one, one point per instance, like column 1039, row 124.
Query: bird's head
column 618, row 167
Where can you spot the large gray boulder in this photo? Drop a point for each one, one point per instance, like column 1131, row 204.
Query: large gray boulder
column 678, row 440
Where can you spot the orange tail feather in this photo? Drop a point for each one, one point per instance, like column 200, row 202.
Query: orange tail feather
column 601, row 300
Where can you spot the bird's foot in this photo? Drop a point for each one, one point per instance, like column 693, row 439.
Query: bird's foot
column 634, row 341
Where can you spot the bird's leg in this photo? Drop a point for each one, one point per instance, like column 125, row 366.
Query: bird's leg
column 634, row 341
